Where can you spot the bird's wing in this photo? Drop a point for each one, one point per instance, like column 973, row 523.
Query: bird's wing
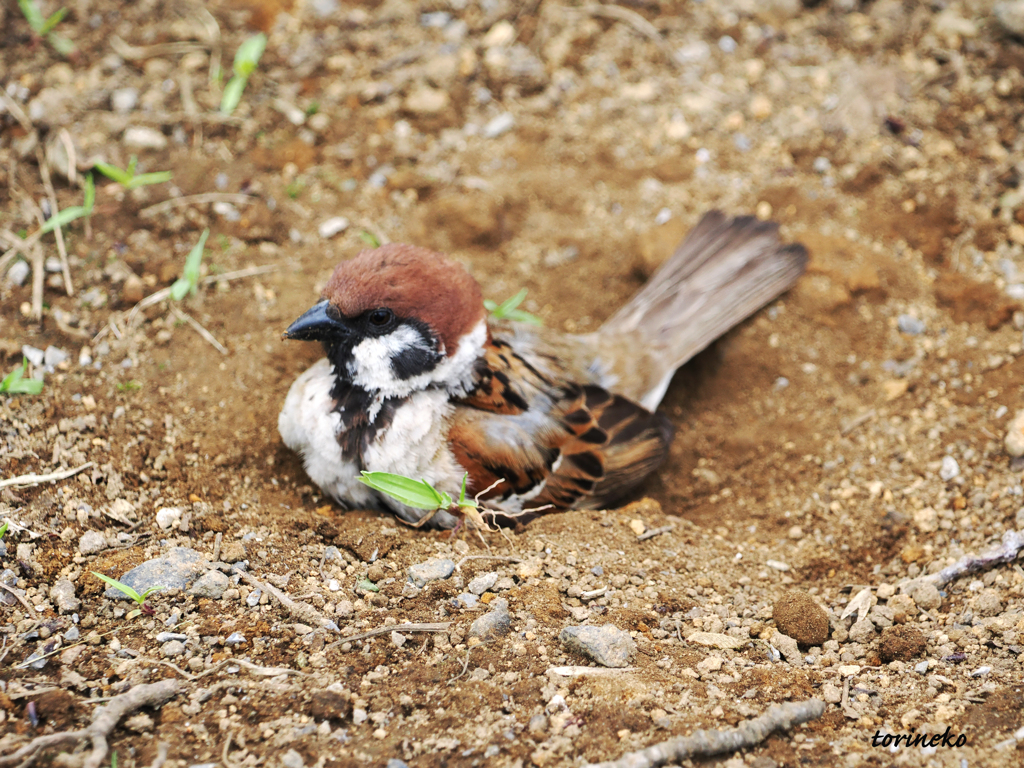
column 551, row 441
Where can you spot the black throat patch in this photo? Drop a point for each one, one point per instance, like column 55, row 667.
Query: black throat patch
column 353, row 404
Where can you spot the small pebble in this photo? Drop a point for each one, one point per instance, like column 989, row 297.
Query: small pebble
column 211, row 584
column 608, row 645
column 493, row 624
column 333, row 226
column 950, row 468
column 432, row 570
column 910, row 325
column 482, row 583
column 498, row 125
column 166, row 637
column 168, row 517
column 18, row 272
column 173, row 648
column 1015, row 435
column 91, row 542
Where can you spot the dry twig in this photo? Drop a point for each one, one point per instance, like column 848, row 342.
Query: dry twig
column 51, row 194
column 26, row 481
column 204, row 197
column 655, row 532
column 411, row 627
column 304, row 613
column 199, row 329
column 704, row 743
column 634, row 20
column 104, row 720
column 1013, row 543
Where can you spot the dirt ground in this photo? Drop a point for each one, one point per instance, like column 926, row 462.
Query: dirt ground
column 849, row 436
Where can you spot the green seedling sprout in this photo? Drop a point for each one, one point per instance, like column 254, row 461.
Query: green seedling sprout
column 131, row 593
column 65, row 217
column 3, row 528
column 422, row 495
column 507, row 310
column 189, row 280
column 370, row 239
column 129, row 386
column 246, row 59
column 44, row 26
column 15, row 382
column 127, row 178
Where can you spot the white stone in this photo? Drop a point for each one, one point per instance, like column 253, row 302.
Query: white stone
column 143, row 137
column 496, row 126
column 1015, row 436
column 168, row 517
column 333, row 226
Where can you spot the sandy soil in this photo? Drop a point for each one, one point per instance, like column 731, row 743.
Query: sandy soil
column 848, row 437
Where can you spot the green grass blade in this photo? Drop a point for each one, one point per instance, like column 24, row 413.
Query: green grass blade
column 193, row 261
column 249, row 54
column 32, row 15
column 53, row 21
column 145, row 179
column 61, row 45
column 114, row 173
column 65, row 217
column 15, row 382
column 412, row 493
column 232, row 94
column 3, row 528
column 122, row 588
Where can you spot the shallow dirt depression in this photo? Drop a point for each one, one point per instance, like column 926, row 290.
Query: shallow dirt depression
column 849, row 437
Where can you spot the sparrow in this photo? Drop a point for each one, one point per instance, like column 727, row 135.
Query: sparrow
column 418, row 380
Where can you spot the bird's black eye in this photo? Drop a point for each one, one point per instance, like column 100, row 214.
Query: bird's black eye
column 380, row 317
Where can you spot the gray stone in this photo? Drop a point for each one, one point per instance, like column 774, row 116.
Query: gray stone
column 1010, row 15
column 254, row 598
column 19, row 272
column 211, row 584
column 608, row 645
column 173, row 648
column 332, row 226
column 72, row 635
column 466, row 600
column 124, row 99
column 482, row 583
column 788, row 647
column 432, row 570
column 144, row 137
column 235, row 638
column 91, row 543
column 925, row 595
column 862, row 631
column 910, row 325
column 63, row 594
column 496, row 126
column 175, row 570
column 950, row 468
column 9, row 578
column 166, row 637
column 495, row 623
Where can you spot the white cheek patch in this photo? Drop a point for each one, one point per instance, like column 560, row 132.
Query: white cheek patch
column 370, row 367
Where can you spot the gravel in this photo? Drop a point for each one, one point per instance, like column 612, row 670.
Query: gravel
column 433, row 570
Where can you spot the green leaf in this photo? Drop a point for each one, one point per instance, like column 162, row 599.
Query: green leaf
column 180, row 289
column 4, row 527
column 189, row 279
column 65, row 217
column 90, row 193
column 463, row 501
column 413, row 493
column 15, row 382
column 122, row 588
column 145, row 179
column 232, row 94
column 248, row 55
column 507, row 309
column 114, row 173
column 32, row 15
column 61, row 45
column 370, row 239
column 133, row 613
column 53, row 21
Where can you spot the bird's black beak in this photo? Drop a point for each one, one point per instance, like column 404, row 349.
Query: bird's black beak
column 317, row 324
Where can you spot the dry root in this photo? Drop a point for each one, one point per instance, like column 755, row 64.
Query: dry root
column 706, row 743
column 104, row 720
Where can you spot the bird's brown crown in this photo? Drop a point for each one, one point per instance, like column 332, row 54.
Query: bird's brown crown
column 412, row 282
